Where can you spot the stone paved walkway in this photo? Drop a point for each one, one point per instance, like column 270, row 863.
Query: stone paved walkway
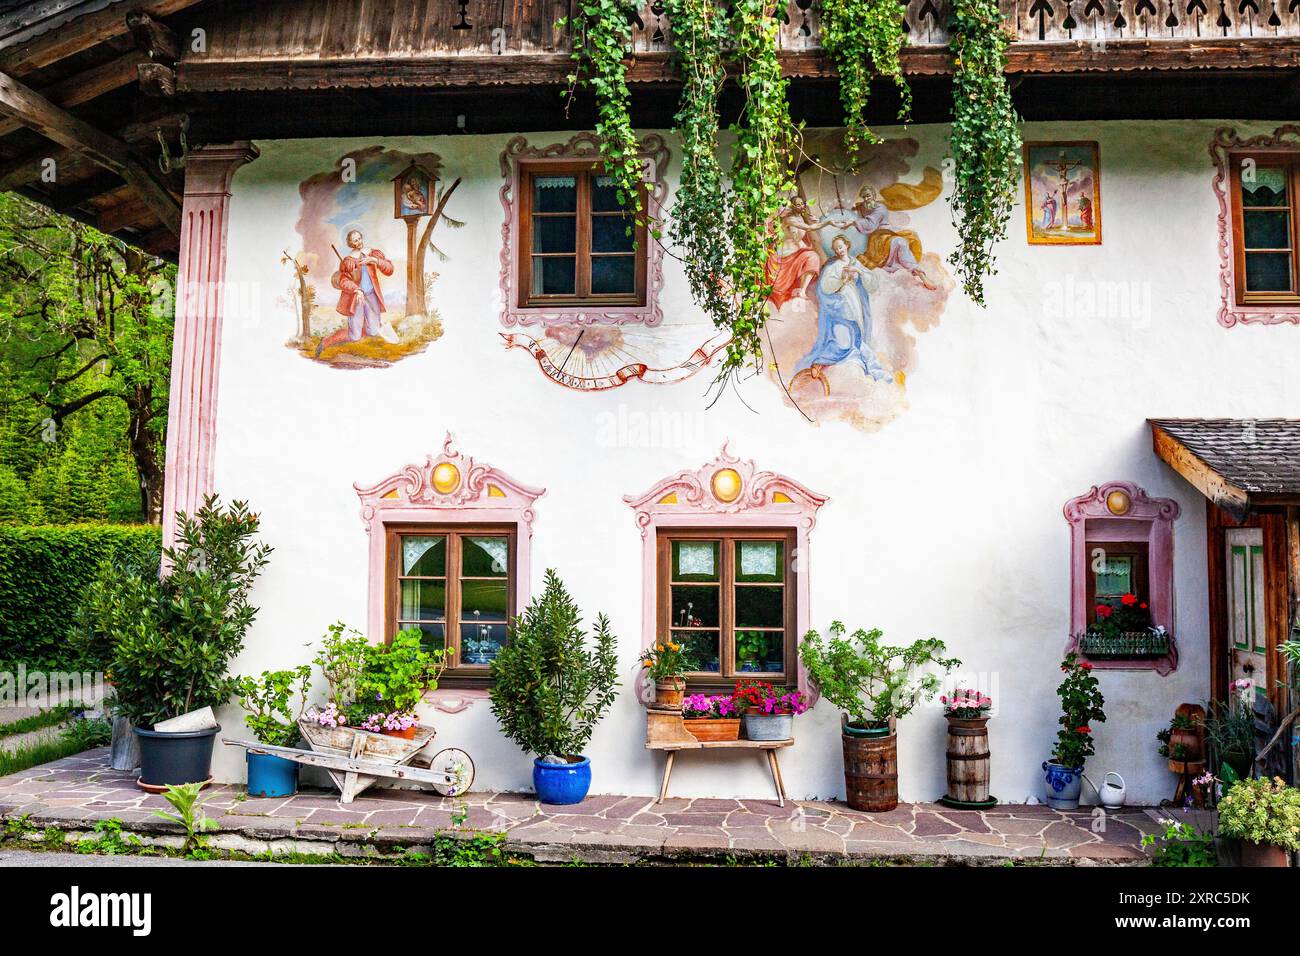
column 72, row 794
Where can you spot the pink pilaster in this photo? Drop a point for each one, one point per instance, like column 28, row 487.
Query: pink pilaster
column 196, row 348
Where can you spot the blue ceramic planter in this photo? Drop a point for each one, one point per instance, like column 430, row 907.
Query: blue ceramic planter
column 1063, row 786
column 562, row 783
column 271, row 776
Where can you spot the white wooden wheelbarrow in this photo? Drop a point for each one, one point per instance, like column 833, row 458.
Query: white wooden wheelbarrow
column 356, row 759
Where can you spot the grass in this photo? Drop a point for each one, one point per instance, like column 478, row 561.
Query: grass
column 46, row 718
column 76, row 739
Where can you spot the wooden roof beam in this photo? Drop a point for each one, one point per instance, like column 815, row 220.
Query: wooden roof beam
column 1235, row 501
column 58, row 37
column 87, row 86
column 37, row 113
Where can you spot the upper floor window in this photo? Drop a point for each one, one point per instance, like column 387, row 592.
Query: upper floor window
column 728, row 597
column 580, row 245
column 1265, row 231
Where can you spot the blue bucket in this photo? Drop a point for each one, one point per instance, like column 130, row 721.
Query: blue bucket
column 271, row 776
column 562, row 783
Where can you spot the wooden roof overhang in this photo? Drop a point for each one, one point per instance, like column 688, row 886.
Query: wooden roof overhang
column 100, row 86
column 1239, row 464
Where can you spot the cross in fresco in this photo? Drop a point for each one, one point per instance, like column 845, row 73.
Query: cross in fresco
column 1063, row 169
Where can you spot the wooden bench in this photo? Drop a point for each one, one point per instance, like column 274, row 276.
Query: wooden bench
column 666, row 730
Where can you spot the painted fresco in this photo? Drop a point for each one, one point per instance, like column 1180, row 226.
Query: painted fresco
column 852, row 282
column 362, row 292
column 1062, row 194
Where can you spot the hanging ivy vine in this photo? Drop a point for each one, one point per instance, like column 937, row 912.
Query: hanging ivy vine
column 762, row 176
column 985, row 140
column 726, row 228
column 701, row 214
column 864, row 38
column 602, row 44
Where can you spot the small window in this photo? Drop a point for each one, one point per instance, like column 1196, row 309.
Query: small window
column 1264, row 227
column 455, row 586
column 578, row 244
column 727, row 598
column 1117, row 569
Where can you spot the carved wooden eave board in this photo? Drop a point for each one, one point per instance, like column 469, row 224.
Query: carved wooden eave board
column 1238, row 464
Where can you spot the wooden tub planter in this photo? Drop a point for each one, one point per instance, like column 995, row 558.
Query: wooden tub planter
column 968, row 764
column 870, row 767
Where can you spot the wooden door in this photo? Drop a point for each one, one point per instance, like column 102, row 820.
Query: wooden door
column 1247, row 620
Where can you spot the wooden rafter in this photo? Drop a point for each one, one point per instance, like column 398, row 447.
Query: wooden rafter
column 28, row 48
column 37, row 113
column 1232, row 499
column 86, row 86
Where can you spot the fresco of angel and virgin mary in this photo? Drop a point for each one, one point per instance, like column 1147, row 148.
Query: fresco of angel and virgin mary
column 852, row 281
column 359, row 298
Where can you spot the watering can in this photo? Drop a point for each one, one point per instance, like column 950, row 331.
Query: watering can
column 1112, row 791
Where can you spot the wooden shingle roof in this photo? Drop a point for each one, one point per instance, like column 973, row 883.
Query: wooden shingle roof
column 1235, row 462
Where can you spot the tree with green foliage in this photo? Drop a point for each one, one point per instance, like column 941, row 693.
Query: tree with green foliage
column 549, row 688
column 85, row 350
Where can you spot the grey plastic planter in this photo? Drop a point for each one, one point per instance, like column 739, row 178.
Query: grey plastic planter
column 171, row 759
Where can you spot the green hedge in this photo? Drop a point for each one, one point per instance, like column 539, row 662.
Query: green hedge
column 43, row 573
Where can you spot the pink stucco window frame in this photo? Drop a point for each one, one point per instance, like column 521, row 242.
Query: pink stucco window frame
column 481, row 495
column 586, row 146
column 1225, row 145
column 1147, row 519
column 766, row 499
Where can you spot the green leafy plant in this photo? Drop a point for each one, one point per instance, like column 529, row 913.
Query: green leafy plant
column 550, row 688
column 173, row 637
column 602, row 45
column 1181, row 845
column 985, row 140
column 869, row 680
column 864, row 38
column 397, row 674
column 86, row 733
column 189, row 816
column 1081, row 707
column 1174, row 751
column 1230, row 733
column 762, row 176
column 701, row 212
column 267, row 699
column 342, row 661
column 1263, row 810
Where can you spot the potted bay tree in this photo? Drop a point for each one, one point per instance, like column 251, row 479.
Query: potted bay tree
column 550, row 688
column 173, row 632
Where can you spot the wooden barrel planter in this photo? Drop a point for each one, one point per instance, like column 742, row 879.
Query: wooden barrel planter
column 968, row 763
column 870, row 770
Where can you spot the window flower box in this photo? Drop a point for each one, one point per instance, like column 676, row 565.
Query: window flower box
column 1125, row 645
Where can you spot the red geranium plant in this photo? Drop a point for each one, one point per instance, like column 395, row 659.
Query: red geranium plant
column 1125, row 616
column 760, row 697
column 1081, row 706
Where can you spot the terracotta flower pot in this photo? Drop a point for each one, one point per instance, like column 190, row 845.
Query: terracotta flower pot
column 669, row 691
column 714, row 728
column 407, row 734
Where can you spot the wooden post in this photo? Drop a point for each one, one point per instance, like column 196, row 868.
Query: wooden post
column 196, row 344
column 414, row 304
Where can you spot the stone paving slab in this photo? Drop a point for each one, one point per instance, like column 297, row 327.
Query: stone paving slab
column 74, row 793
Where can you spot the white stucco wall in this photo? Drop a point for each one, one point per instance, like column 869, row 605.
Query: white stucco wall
column 946, row 522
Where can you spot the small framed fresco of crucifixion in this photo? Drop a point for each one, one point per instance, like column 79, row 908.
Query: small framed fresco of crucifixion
column 1063, row 194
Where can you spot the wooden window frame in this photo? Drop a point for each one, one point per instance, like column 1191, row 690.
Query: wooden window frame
column 585, row 171
column 1289, row 161
column 457, row 674
column 724, row 681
